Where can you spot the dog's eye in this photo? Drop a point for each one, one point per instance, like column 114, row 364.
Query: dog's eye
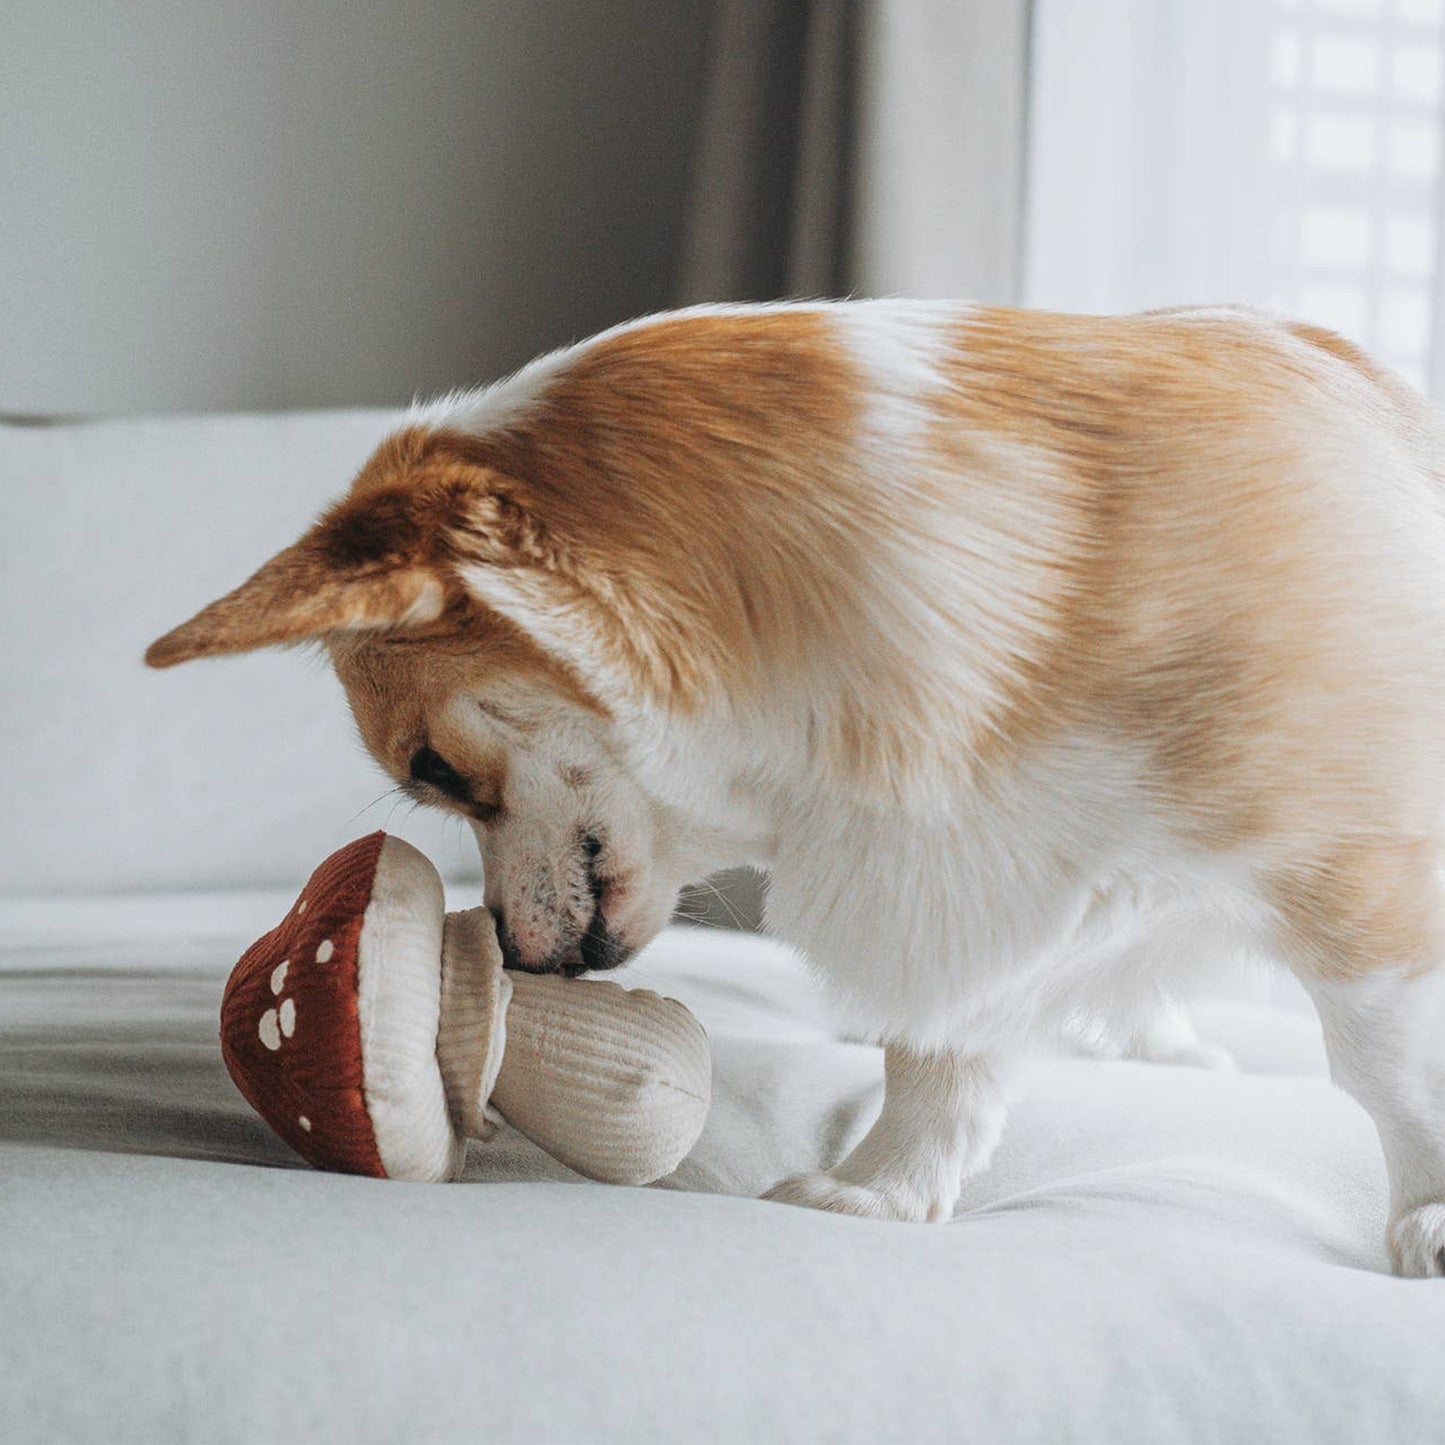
column 430, row 767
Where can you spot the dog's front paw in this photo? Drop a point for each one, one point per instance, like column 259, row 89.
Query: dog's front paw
column 1188, row 1053
column 1166, row 1036
column 879, row 1200
column 1417, row 1242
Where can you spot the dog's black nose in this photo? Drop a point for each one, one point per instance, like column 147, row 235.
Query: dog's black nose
column 600, row 948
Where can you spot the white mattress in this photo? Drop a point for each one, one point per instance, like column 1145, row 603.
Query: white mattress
column 1157, row 1255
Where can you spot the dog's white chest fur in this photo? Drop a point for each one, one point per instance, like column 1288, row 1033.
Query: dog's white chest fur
column 1000, row 919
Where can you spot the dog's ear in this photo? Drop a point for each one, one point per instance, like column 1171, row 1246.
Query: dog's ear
column 430, row 526
column 373, row 563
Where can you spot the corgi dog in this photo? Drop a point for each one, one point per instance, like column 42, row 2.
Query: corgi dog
column 1016, row 647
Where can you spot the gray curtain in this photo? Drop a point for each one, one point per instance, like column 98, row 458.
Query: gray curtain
column 865, row 147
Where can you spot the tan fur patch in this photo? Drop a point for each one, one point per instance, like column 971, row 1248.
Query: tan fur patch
column 1363, row 904
column 1216, row 609
column 667, row 472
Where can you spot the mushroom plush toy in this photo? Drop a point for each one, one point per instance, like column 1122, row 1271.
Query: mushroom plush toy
column 376, row 1033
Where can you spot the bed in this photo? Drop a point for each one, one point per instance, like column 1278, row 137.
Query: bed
column 1158, row 1254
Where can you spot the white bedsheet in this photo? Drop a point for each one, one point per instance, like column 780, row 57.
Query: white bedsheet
column 1157, row 1254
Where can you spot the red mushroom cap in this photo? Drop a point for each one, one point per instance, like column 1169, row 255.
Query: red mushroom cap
column 329, row 1021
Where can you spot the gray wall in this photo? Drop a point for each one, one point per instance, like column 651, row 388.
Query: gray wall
column 281, row 203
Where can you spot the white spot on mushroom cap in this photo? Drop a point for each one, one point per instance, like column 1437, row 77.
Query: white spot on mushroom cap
column 270, row 1032
column 278, row 975
column 288, row 1016
column 304, row 1122
column 301, row 908
column 324, row 952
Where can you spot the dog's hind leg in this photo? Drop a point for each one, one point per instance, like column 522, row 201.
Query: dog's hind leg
column 1366, row 935
column 942, row 1117
column 1165, row 1034
column 1386, row 1039
column 1155, row 1031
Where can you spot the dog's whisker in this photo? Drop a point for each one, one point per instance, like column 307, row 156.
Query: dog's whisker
column 695, row 916
column 412, row 806
column 728, row 906
column 380, row 798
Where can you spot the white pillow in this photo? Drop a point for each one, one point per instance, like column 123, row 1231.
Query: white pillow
column 229, row 773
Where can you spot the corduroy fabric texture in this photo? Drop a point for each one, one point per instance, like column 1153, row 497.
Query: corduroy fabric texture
column 472, row 1036
column 290, row 1034
column 614, row 1082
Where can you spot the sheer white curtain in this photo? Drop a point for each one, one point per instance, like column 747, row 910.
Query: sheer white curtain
column 1284, row 153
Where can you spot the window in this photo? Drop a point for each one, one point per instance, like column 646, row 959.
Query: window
column 1354, row 140
column 1284, row 153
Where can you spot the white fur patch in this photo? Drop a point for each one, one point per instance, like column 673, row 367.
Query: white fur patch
column 497, row 406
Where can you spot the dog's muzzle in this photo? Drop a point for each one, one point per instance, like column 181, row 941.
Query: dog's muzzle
column 596, row 951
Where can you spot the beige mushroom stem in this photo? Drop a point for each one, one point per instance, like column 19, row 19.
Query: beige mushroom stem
column 614, row 1082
